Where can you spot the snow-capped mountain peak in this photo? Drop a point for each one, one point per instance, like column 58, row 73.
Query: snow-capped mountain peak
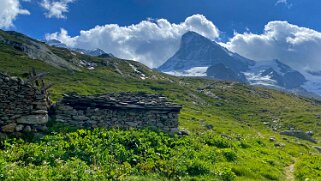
column 198, row 51
column 199, row 56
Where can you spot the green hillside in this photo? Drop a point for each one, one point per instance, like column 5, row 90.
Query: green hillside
column 234, row 128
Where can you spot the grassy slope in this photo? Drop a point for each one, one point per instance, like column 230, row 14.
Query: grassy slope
column 237, row 113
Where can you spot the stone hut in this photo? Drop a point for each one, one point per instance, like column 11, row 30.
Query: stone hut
column 118, row 110
column 23, row 106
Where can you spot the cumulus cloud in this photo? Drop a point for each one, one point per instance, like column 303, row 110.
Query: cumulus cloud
column 55, row 9
column 9, row 10
column 296, row 46
column 150, row 42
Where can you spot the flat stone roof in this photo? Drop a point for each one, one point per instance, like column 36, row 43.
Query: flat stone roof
column 121, row 100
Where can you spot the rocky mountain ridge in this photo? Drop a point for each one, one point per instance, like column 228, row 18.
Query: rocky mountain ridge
column 96, row 52
column 201, row 57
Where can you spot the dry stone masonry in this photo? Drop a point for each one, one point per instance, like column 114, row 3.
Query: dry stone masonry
column 23, row 106
column 118, row 110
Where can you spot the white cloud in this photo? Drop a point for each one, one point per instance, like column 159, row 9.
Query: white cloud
column 153, row 41
column 150, row 42
column 284, row 2
column 55, row 8
column 9, row 10
column 296, row 46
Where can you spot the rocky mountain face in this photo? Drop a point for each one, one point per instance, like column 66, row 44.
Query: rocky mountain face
column 198, row 51
column 220, row 71
column 214, row 61
column 34, row 49
column 275, row 73
column 16, row 46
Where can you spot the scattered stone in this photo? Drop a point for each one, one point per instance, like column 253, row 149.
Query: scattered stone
column 184, row 132
column 9, row 128
column 310, row 133
column 279, row 144
column 19, row 127
column 33, row 119
column 27, row 129
column 272, row 139
column 209, row 126
column 318, row 148
column 264, row 110
column 298, row 134
column 226, row 136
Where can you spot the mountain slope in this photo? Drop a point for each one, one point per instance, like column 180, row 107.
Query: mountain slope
column 33, row 49
column 232, row 127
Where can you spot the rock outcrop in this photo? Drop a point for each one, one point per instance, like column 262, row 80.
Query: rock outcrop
column 35, row 50
column 299, row 134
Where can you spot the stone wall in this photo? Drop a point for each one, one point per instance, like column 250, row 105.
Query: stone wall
column 123, row 110
column 23, row 107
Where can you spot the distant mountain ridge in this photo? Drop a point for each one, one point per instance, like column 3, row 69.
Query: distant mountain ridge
column 96, row 52
column 199, row 56
column 17, row 46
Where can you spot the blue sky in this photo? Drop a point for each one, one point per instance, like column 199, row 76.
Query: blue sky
column 149, row 31
column 228, row 15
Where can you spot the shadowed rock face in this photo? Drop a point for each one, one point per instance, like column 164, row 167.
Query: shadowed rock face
column 293, row 79
column 221, row 72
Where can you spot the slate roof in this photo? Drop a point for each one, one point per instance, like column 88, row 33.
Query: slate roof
column 121, row 100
